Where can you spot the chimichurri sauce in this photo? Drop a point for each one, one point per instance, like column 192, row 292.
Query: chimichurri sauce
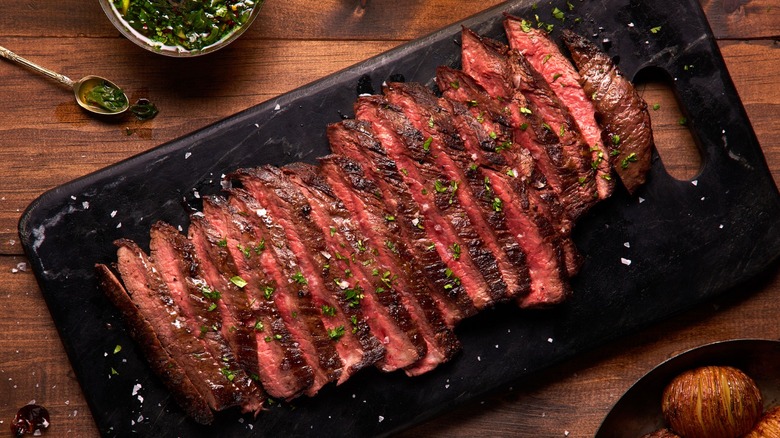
column 106, row 96
column 190, row 24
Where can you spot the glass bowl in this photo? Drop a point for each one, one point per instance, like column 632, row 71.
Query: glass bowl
column 176, row 38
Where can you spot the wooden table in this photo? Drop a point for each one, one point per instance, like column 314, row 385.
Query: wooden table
column 45, row 141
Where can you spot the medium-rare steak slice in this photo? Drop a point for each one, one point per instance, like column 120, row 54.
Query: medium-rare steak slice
column 486, row 132
column 150, row 296
column 624, row 115
column 387, row 196
column 162, row 363
column 231, row 239
column 448, row 225
column 546, row 58
column 544, row 254
column 175, row 260
column 390, row 265
column 340, row 289
column 290, row 291
column 566, row 171
column 434, row 117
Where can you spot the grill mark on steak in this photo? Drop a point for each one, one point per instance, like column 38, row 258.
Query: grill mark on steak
column 512, row 162
column 624, row 115
column 491, row 68
column 292, row 294
column 149, row 293
column 282, row 369
column 386, row 195
column 546, row 58
column 345, row 276
column 162, row 363
column 434, row 118
column 175, row 260
column 448, row 225
column 392, row 268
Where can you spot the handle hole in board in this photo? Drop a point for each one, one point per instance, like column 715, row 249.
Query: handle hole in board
column 674, row 141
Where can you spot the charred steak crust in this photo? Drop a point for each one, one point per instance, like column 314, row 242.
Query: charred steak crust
column 624, row 115
column 430, row 208
column 162, row 363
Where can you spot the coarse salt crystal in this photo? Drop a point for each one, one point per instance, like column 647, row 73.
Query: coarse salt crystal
column 136, row 387
column 261, row 212
column 641, row 199
column 277, row 107
column 550, row 340
column 695, row 182
column 625, row 261
column 113, row 213
column 187, row 155
column 85, row 205
column 381, row 418
column 627, row 244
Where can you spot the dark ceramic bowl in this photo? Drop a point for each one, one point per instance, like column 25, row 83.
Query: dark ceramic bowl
column 638, row 411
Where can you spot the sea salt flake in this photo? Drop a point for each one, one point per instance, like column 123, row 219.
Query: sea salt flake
column 277, row 107
column 119, row 225
column 641, row 199
column 261, row 212
column 479, row 359
column 381, row 418
column 550, row 340
column 136, row 388
column 695, row 182
column 565, row 433
column 85, row 205
column 113, row 213
column 720, row 226
column 625, row 261
column 187, row 155
column 627, row 244
column 72, row 197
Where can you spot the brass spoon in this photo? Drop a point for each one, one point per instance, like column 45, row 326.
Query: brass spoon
column 81, row 88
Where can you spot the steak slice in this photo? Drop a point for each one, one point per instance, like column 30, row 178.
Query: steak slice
column 546, row 265
column 175, row 260
column 231, row 239
column 153, row 301
column 624, row 115
column 390, row 265
column 290, row 291
column 484, row 133
column 387, row 197
column 448, row 225
column 565, row 170
column 171, row 373
column 546, row 58
column 336, row 289
column 434, row 118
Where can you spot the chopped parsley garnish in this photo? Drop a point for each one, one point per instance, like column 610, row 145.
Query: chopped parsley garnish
column 354, row 295
column 259, row 326
column 525, row 26
column 498, row 204
column 299, row 278
column 631, row 158
column 117, row 349
column 524, row 126
column 244, row 250
column 268, row 292
column 210, row 293
column 455, row 251
column 556, row 76
column 336, row 333
column 431, row 122
column 557, row 13
column 439, row 186
column 682, row 121
column 524, row 110
column 655, row 29
column 328, row 311
column 615, row 139
column 389, row 217
column 222, row 243
column 656, row 106
column 212, row 307
column 238, row 281
column 547, row 56
column 427, row 144
column 455, row 85
column 332, row 231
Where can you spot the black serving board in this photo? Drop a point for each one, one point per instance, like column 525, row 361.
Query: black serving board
column 686, row 241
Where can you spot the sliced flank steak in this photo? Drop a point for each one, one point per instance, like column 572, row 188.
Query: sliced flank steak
column 374, row 181
column 624, row 115
column 226, row 236
column 546, row 58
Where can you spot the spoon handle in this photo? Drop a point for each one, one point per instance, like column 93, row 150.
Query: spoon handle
column 7, row 54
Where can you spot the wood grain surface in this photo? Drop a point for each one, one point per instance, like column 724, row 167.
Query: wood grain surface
column 46, row 140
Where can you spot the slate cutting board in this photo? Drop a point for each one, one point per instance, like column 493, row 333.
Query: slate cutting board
column 687, row 240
